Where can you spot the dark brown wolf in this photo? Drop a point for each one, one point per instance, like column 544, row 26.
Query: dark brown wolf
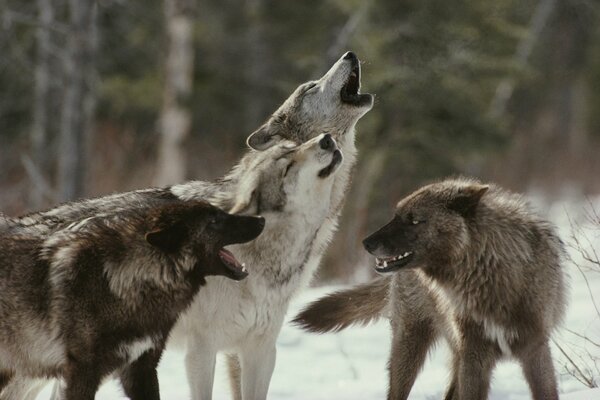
column 471, row 263
column 101, row 295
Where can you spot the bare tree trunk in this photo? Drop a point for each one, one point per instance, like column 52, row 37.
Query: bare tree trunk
column 257, row 71
column 175, row 121
column 39, row 129
column 506, row 87
column 76, row 110
column 340, row 43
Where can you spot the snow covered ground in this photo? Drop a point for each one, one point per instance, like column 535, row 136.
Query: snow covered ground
column 351, row 365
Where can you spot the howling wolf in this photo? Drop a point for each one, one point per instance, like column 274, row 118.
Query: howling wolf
column 101, row 295
column 317, row 113
column 471, row 263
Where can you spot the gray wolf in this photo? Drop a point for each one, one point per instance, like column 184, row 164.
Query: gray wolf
column 301, row 206
column 102, row 294
column 471, row 263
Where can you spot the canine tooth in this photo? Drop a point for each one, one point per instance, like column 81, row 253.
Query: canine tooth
column 384, row 264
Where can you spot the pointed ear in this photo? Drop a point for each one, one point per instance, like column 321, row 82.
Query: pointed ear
column 264, row 137
column 247, row 196
column 466, row 199
column 246, row 204
column 168, row 238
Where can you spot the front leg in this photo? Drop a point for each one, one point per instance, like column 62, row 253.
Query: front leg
column 22, row 388
column 410, row 344
column 539, row 372
column 475, row 371
column 200, row 362
column 82, row 381
column 139, row 379
column 235, row 376
column 257, row 362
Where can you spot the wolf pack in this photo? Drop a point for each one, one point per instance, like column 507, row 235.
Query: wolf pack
column 97, row 289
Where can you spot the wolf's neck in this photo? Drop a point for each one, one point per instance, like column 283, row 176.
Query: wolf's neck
column 485, row 281
column 342, row 180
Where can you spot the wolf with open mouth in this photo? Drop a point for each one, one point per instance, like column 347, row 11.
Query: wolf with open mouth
column 320, row 116
column 473, row 264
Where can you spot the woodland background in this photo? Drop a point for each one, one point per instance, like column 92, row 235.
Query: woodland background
column 112, row 95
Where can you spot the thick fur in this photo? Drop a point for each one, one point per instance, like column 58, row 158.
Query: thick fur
column 301, row 219
column 286, row 185
column 102, row 294
column 339, row 310
column 480, row 269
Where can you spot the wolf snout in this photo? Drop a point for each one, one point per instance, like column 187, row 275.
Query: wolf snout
column 247, row 228
column 350, row 56
column 370, row 245
column 327, row 143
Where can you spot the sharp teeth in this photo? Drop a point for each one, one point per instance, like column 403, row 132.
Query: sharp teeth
column 384, row 264
column 243, row 265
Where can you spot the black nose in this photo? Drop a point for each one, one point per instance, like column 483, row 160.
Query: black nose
column 350, row 56
column 327, row 142
column 260, row 223
column 369, row 245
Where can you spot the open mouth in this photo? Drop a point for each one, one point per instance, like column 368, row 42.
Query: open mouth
column 335, row 161
column 350, row 93
column 390, row 264
column 236, row 270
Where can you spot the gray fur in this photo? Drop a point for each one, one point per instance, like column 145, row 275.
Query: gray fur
column 481, row 270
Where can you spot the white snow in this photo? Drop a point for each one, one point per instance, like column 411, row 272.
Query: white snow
column 351, row 365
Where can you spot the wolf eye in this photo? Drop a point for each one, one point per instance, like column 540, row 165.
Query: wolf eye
column 310, row 88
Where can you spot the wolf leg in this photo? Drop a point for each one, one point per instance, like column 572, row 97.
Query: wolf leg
column 452, row 391
column 22, row 388
column 82, row 381
column 475, row 372
column 539, row 373
column 200, row 362
column 139, row 378
column 410, row 345
column 258, row 363
column 235, row 376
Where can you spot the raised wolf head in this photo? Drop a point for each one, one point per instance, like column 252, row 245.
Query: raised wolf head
column 284, row 176
column 429, row 226
column 333, row 104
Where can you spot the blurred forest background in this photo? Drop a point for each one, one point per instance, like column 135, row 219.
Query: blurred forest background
column 112, row 95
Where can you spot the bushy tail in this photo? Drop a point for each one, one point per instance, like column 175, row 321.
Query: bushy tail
column 337, row 311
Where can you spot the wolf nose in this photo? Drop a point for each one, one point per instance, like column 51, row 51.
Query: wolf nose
column 327, row 142
column 350, row 56
column 370, row 245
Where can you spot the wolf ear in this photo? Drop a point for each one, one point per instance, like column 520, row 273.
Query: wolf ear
column 168, row 238
column 246, row 204
column 466, row 200
column 264, row 137
column 246, row 196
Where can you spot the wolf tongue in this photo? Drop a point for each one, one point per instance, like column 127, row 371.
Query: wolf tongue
column 229, row 258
